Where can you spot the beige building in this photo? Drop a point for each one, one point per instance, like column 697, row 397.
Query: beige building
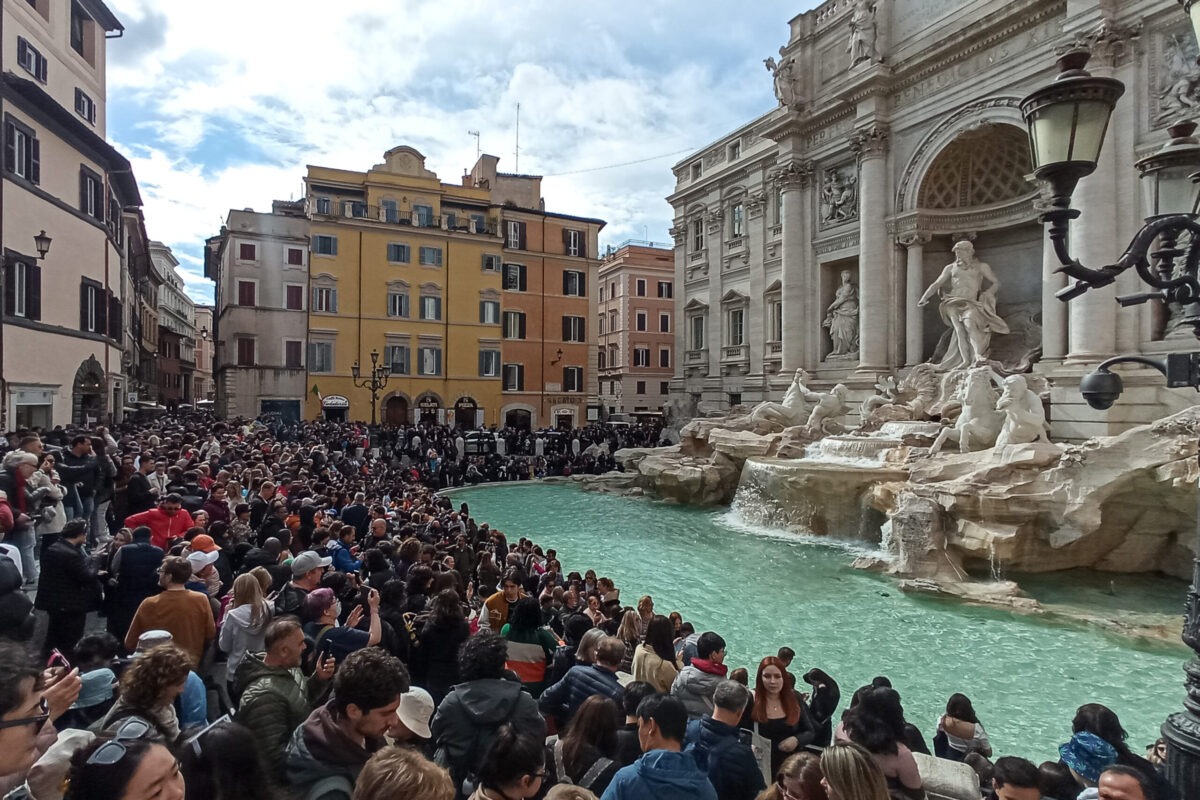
column 64, row 315
column 203, row 389
column 259, row 262
column 807, row 237
column 636, row 324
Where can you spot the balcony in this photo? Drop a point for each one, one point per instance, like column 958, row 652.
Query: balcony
column 774, row 350
column 696, row 256
column 695, row 357
column 736, row 243
column 457, row 223
column 734, row 353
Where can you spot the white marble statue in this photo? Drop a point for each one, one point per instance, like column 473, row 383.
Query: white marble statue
column 979, row 423
column 828, row 406
column 841, row 318
column 792, row 411
column 967, row 307
column 863, row 32
column 1024, row 414
column 784, row 75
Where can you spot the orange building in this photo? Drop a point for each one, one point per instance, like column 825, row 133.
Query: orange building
column 549, row 281
column 636, row 319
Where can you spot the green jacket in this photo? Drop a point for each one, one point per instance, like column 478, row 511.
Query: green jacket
column 274, row 702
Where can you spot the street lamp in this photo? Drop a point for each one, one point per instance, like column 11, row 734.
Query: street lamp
column 41, row 243
column 1067, row 122
column 375, row 381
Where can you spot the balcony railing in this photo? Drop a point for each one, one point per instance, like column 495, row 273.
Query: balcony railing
column 459, row 223
column 775, row 349
column 695, row 357
column 740, row 352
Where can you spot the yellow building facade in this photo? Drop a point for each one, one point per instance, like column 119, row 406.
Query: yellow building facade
column 407, row 267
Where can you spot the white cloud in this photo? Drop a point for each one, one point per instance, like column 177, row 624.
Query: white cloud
column 222, row 104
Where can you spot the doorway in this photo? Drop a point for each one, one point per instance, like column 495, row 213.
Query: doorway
column 395, row 411
column 519, row 419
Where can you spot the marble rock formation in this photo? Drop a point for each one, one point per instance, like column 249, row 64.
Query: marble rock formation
column 674, row 475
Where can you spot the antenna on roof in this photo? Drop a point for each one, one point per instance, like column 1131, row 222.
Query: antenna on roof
column 517, row 150
column 476, row 135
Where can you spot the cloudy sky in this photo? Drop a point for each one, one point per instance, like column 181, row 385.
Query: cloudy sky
column 221, row 104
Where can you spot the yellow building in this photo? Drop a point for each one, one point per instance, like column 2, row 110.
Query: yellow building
column 407, row 267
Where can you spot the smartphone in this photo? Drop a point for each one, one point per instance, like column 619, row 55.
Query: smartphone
column 57, row 659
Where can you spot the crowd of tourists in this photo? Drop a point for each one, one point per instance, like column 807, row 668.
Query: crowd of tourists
column 296, row 612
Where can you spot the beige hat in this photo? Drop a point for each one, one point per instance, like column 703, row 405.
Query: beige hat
column 415, row 710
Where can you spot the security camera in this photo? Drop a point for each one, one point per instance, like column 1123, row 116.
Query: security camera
column 1101, row 388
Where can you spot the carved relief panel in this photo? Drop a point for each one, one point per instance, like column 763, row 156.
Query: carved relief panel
column 839, row 195
column 1174, row 77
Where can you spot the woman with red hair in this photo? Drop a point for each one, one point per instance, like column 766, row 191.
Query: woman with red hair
column 778, row 713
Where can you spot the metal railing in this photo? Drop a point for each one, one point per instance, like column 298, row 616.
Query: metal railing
column 460, row 223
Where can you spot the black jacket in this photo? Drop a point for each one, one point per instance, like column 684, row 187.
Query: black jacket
column 137, row 494
column 68, row 580
column 80, row 472
column 16, row 609
column 434, row 661
column 466, row 722
column 137, row 576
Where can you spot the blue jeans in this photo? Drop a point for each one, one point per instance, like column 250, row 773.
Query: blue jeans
column 23, row 540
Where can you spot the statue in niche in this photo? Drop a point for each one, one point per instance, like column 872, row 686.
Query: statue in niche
column 863, row 32
column 1179, row 85
column 841, row 318
column 967, row 307
column 785, row 77
column 1024, row 415
column 839, row 197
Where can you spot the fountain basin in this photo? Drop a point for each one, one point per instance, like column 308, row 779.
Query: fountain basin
column 857, row 447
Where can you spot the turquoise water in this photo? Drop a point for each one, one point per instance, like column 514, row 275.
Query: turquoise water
column 762, row 590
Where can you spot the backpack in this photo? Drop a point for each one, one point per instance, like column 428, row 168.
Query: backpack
column 594, row 772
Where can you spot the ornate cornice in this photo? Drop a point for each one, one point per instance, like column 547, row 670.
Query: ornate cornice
column 913, row 237
column 870, row 142
column 951, row 223
column 755, row 204
column 679, row 234
column 1108, row 43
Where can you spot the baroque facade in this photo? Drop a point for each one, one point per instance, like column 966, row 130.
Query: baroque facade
column 807, row 237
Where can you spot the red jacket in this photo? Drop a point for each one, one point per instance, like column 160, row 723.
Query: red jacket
column 163, row 528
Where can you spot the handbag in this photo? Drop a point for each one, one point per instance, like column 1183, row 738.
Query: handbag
column 761, row 747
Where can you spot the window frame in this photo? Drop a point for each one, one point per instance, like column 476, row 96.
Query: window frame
column 287, row 299
column 432, row 251
column 399, row 253
column 329, row 239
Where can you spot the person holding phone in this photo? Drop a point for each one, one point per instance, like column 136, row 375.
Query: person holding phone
column 68, row 588
column 323, row 609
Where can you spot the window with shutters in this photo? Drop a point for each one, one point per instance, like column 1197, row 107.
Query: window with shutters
column 431, row 307
column 247, row 351
column 664, row 357
column 431, row 256
column 429, row 360
column 423, row 215
column 85, row 106
column 116, row 317
column 399, row 253
column 83, row 33
column 19, row 276
column 247, row 252
column 91, row 193
column 397, row 303
column 324, row 205
column 491, row 262
column 293, row 297
column 489, row 363
column 93, row 307
column 515, row 240
column 574, row 283
column 320, row 356
column 295, row 257
column 574, row 329
column 514, row 324
column 601, row 358
column 572, row 379
column 664, row 323
column 354, row 208
column 247, row 293
column 640, row 289
column 324, row 300
column 665, row 289
column 22, row 151
column 489, row 312
column 640, row 321
column 398, row 359
column 293, row 354
column 324, row 245
column 514, row 377
column 641, row 356
column 515, row 278
column 31, row 59
column 391, row 211
column 573, row 242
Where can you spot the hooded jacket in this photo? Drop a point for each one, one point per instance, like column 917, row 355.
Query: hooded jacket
column 274, row 702
column 320, row 750
column 661, row 775
column 694, row 688
column 240, row 635
column 564, row 698
column 466, row 720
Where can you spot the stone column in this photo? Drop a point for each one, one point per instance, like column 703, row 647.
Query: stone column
column 874, row 250
column 1054, row 311
column 914, row 286
column 753, row 250
column 715, row 334
column 793, row 180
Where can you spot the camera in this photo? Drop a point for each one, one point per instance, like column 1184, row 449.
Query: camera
column 1101, row 388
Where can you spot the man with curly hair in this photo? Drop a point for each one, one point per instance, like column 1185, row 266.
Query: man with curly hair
column 329, row 750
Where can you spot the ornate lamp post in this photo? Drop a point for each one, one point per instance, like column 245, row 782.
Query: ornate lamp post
column 1067, row 122
column 375, row 381
column 41, row 243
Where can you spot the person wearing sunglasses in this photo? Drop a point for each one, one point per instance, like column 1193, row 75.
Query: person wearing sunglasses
column 128, row 766
column 29, row 700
